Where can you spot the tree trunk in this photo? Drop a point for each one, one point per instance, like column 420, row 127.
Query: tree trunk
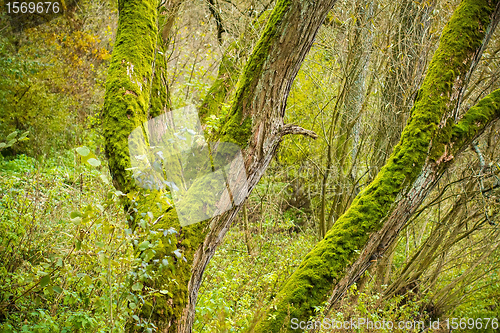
column 255, row 123
column 428, row 145
column 248, row 235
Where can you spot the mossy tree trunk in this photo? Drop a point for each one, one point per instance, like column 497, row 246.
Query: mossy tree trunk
column 254, row 122
column 128, row 86
column 429, row 143
column 404, row 74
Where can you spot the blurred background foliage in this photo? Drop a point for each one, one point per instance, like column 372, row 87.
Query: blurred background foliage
column 52, row 76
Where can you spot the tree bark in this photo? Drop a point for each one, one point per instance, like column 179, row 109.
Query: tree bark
column 428, row 144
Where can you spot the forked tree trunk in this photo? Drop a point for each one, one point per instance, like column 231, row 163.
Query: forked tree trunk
column 429, row 144
column 255, row 123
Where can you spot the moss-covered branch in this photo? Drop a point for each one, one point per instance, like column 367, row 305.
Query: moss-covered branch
column 327, row 262
column 475, row 120
column 220, row 89
column 229, row 71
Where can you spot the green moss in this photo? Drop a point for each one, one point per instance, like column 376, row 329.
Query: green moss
column 128, row 84
column 237, row 131
column 238, row 127
column 476, row 119
column 327, row 262
column 160, row 95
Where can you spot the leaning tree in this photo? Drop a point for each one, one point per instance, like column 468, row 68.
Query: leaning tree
column 432, row 140
column 136, row 91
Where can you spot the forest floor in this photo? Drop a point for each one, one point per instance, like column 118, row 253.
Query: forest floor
column 60, row 284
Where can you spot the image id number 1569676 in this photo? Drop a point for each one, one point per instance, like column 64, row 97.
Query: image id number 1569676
column 472, row 323
column 15, row 7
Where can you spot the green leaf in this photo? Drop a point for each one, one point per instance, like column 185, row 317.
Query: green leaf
column 164, row 292
column 77, row 219
column 11, row 136
column 83, row 151
column 144, row 245
column 73, row 215
column 94, row 162
column 137, row 286
column 78, row 245
column 2, row 145
column 149, row 254
column 59, row 262
column 104, row 179
column 57, row 289
column 88, row 280
column 45, row 281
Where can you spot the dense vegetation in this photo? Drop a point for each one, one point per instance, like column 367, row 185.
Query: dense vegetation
column 81, row 251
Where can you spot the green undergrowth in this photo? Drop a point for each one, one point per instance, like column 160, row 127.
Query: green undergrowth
column 68, row 263
column 236, row 285
column 65, row 248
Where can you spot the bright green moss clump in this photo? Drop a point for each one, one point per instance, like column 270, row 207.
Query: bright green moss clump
column 326, row 263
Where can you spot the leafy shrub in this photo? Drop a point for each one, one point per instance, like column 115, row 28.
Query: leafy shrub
column 61, row 270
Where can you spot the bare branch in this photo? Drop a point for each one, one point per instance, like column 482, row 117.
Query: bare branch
column 294, row 129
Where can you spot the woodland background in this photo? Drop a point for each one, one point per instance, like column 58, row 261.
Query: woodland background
column 66, row 259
